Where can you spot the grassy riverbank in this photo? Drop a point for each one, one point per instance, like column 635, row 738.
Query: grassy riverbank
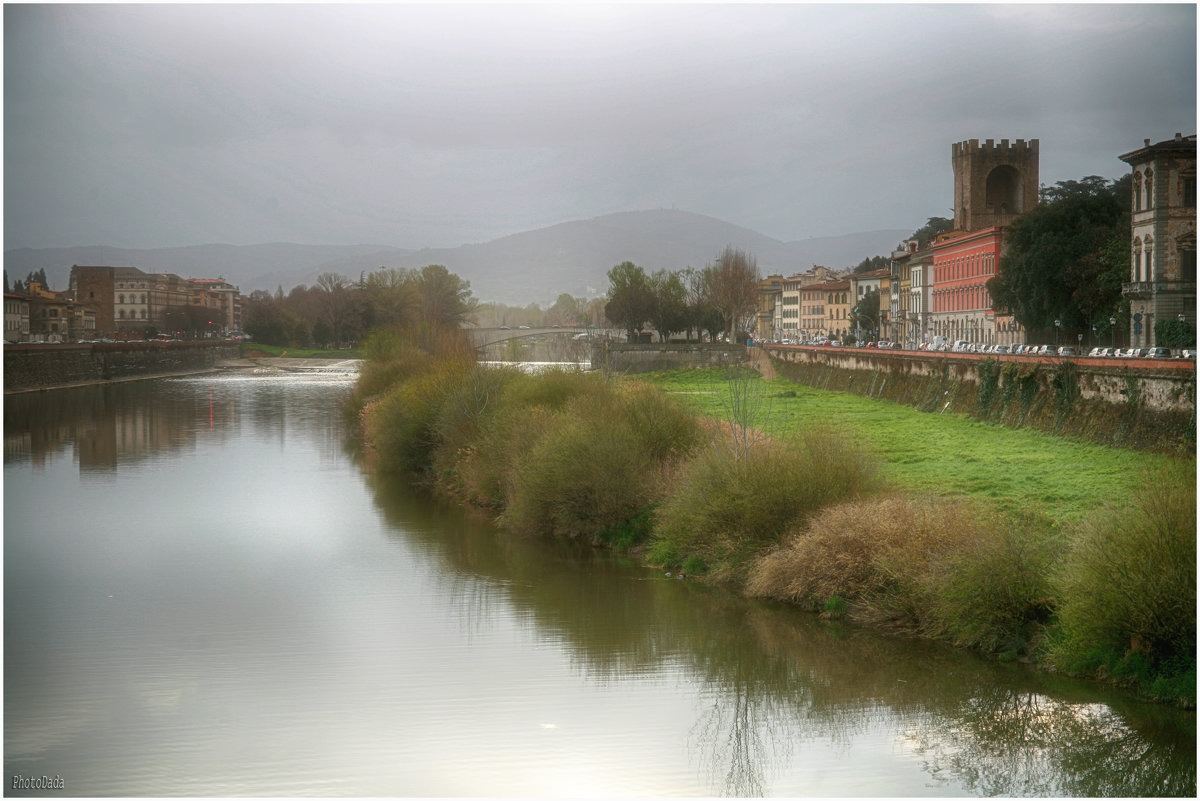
column 252, row 349
column 1014, row 543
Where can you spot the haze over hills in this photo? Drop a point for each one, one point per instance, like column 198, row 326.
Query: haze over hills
column 534, row 266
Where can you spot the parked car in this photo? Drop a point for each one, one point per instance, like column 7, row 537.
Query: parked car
column 1135, row 353
column 1000, row 350
column 1157, row 353
column 1066, row 350
column 1188, row 353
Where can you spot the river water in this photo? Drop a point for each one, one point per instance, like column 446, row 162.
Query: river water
column 205, row 596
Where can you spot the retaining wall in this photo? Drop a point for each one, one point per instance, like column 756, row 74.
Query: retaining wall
column 46, row 366
column 624, row 358
column 1147, row 404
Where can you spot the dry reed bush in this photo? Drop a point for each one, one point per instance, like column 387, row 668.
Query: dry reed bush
column 1128, row 582
column 947, row 568
column 723, row 510
column 854, row 550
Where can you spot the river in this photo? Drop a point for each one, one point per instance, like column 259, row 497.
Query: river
column 204, row 595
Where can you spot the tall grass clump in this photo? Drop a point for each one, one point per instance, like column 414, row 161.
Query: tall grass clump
column 942, row 567
column 393, row 354
column 1128, row 590
column 599, row 465
column 524, row 406
column 724, row 510
column 399, row 427
column 465, row 416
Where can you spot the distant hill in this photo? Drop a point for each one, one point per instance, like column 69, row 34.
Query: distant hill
column 534, row 266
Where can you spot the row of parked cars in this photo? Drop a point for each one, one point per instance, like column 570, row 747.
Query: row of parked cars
column 1141, row 353
column 1018, row 350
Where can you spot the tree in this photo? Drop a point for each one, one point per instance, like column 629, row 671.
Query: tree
column 1091, row 186
column 930, row 230
column 1065, row 258
column 873, row 263
column 333, row 298
column 867, row 311
column 1174, row 334
column 668, row 313
column 445, row 299
column 391, row 295
column 630, row 300
column 566, row 310
column 733, row 289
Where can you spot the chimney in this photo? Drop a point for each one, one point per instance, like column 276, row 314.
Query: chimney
column 1178, row 137
column 1147, row 143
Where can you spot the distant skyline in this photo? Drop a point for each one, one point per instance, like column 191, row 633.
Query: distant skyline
column 146, row 126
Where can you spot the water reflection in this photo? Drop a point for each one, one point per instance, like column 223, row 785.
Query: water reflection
column 777, row 679
column 106, row 426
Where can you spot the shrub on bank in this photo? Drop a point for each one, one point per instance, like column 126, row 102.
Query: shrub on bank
column 400, row 426
column 599, row 464
column 396, row 354
column 515, row 417
column 723, row 511
column 943, row 567
column 465, row 416
column 1128, row 589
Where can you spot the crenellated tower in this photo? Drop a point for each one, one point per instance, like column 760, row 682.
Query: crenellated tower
column 993, row 183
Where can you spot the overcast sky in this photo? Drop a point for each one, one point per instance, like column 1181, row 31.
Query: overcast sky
column 440, row 125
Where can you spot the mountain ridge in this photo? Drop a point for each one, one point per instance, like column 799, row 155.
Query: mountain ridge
column 529, row 266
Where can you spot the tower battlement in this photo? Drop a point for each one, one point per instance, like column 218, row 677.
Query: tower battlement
column 994, row 182
column 989, row 148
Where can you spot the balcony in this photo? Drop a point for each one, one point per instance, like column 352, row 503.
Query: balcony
column 1144, row 290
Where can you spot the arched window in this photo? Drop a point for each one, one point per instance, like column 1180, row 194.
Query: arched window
column 1149, row 188
column 122, row 314
column 1137, row 191
column 1148, row 253
column 1136, row 273
column 120, row 298
column 143, row 298
column 143, row 314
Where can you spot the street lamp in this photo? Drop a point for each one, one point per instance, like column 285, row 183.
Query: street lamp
column 1057, row 326
column 1112, row 323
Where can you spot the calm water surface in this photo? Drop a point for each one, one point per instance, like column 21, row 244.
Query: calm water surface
column 204, row 595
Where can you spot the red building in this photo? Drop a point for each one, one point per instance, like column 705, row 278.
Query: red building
column 961, row 307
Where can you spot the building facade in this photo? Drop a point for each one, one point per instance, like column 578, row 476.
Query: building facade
column 16, row 317
column 1162, row 274
column 770, row 294
column 961, row 304
column 128, row 300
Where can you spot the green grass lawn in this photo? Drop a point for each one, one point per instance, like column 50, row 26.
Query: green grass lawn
column 300, row 353
column 940, row 453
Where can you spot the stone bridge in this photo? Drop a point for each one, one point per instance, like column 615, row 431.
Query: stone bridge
column 482, row 337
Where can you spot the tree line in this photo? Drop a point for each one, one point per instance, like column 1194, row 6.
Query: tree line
column 718, row 299
column 338, row 312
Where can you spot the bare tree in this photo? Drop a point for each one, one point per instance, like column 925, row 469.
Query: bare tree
column 734, row 288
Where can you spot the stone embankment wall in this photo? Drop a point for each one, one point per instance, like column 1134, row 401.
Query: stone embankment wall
column 29, row 367
column 1147, row 405
column 623, row 358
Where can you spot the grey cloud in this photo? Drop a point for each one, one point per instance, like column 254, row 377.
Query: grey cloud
column 438, row 125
